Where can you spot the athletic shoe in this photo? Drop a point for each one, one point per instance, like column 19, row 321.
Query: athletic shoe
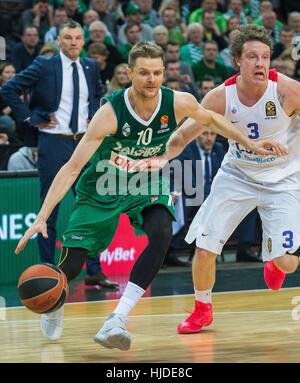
column 273, row 276
column 52, row 324
column 201, row 316
column 113, row 333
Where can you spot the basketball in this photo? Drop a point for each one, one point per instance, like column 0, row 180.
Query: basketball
column 43, row 288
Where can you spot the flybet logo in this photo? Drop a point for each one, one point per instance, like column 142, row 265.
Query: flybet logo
column 12, row 226
column 118, row 255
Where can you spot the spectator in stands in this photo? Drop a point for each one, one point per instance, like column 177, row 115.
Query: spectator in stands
column 173, row 53
column 211, row 30
column 60, row 117
column 150, row 15
column 266, row 6
column 232, row 25
column 176, row 5
column 286, row 41
column 99, row 34
column 269, row 19
column 169, row 20
column 235, row 8
column 4, row 135
column 209, row 66
column 192, row 52
column 133, row 14
column 294, row 22
column 212, row 153
column 225, row 55
column 133, row 34
column 40, row 16
column 7, row 71
column 211, row 6
column 161, row 36
column 120, row 79
column 285, row 64
column 99, row 53
column 88, row 18
column 205, row 86
column 24, row 159
column 108, row 18
column 172, row 69
column 172, row 83
column 23, row 53
column 59, row 16
column 73, row 12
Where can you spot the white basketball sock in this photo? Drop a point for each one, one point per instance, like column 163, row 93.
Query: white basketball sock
column 204, row 296
column 129, row 299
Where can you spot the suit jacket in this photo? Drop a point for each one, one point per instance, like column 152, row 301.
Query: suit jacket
column 44, row 80
column 191, row 152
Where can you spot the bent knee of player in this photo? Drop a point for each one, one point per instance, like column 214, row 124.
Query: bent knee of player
column 203, row 256
column 288, row 263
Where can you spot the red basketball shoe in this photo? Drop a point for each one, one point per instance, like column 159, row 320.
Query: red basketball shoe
column 273, row 276
column 201, row 316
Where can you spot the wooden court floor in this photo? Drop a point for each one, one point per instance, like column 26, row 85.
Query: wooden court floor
column 249, row 326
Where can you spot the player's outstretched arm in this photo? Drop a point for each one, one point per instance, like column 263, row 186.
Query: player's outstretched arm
column 102, row 124
column 217, row 123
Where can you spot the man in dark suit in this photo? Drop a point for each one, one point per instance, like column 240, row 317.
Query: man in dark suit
column 65, row 94
column 24, row 52
column 204, row 148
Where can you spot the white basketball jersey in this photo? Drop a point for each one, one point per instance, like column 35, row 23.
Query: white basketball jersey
column 265, row 119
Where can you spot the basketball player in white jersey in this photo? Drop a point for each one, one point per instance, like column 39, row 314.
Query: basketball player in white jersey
column 263, row 104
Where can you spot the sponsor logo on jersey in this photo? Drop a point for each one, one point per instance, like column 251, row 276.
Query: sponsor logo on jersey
column 234, row 111
column 164, row 120
column 77, row 238
column 270, row 109
column 152, row 199
column 270, row 245
column 137, row 152
column 122, row 162
column 164, row 128
column 126, row 129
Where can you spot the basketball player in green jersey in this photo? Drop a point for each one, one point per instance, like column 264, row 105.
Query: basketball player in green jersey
column 132, row 125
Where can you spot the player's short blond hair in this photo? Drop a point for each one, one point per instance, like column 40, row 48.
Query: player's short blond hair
column 247, row 33
column 145, row 49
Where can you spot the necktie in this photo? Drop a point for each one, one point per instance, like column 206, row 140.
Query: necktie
column 207, row 175
column 74, row 115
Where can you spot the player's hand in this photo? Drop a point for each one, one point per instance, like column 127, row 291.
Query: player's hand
column 38, row 226
column 49, row 125
column 268, row 147
column 150, row 164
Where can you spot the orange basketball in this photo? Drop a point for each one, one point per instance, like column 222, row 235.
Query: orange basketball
column 43, row 288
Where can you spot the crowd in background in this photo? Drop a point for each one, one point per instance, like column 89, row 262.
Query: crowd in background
column 195, row 35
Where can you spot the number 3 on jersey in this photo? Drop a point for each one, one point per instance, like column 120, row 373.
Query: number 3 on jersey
column 145, row 137
column 254, row 133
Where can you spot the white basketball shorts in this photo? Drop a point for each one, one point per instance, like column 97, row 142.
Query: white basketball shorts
column 228, row 203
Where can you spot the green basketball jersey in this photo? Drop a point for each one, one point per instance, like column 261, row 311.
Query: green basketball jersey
column 134, row 139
